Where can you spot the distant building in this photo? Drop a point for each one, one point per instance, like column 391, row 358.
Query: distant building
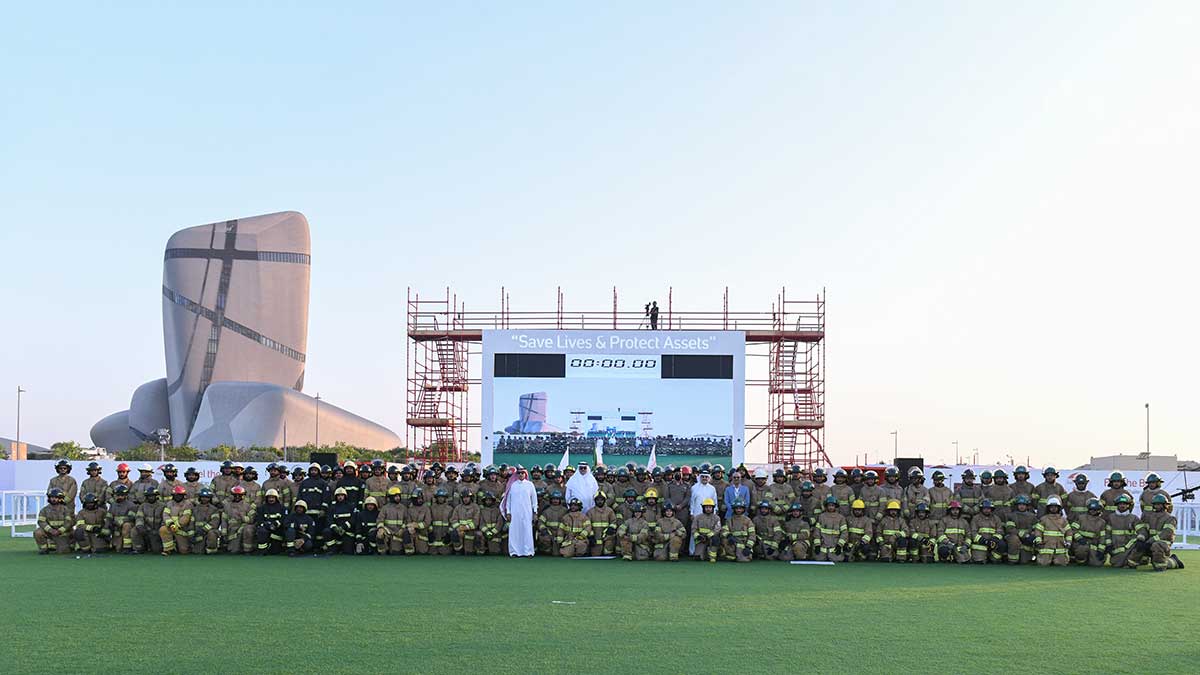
column 1139, row 462
column 235, row 328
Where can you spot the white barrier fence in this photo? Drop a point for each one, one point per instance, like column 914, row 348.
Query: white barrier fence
column 19, row 508
column 1187, row 528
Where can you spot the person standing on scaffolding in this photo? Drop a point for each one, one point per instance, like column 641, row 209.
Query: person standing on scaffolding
column 652, row 312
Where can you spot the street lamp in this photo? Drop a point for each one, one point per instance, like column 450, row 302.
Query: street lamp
column 1147, row 436
column 317, row 418
column 164, row 439
column 895, row 445
column 19, row 392
column 956, row 453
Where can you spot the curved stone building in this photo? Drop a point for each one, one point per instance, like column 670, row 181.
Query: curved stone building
column 235, row 312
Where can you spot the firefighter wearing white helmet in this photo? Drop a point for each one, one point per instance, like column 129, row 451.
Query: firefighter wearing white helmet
column 268, row 523
column 1052, row 534
column 299, row 528
column 706, row 531
column 145, row 481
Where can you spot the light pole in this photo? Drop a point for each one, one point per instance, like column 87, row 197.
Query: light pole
column 19, row 392
column 317, row 419
column 1147, row 436
column 895, row 445
column 164, row 438
column 955, row 453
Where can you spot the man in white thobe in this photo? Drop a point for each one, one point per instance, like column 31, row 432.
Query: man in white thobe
column 520, row 508
column 583, row 486
column 700, row 491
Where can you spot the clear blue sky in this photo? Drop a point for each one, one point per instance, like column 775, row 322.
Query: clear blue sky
column 1000, row 197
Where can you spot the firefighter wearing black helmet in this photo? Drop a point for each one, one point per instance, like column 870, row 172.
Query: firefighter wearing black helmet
column 1077, row 500
column 166, row 486
column 223, row 483
column 95, row 484
column 121, row 519
column 779, row 493
column 365, row 527
column 418, row 520
column 1091, row 536
column 574, row 531
column 376, row 485
column 464, row 521
column 670, row 534
column 207, row 517
column 797, row 534
column 1018, row 531
column 54, row 523
column 63, row 481
column 492, row 527
column 148, row 519
column 91, row 526
column 191, row 483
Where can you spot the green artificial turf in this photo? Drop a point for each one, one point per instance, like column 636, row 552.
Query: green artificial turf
column 434, row 615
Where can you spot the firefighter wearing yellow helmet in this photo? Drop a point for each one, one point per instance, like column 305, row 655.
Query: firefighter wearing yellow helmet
column 706, row 532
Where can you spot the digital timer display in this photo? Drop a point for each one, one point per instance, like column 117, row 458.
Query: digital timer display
column 613, row 365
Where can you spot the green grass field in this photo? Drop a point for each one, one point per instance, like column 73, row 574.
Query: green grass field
column 198, row 614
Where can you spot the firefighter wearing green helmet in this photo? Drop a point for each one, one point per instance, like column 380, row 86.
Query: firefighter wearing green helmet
column 549, row 538
column 768, row 532
column 1090, row 536
column 493, row 528
column 634, row 535
column 797, row 534
column 1122, row 528
column 440, row 542
column 1116, row 488
column 1049, row 487
column 829, row 537
column 1156, row 533
column 1018, row 531
column 987, row 530
column 1001, row 494
column 739, row 535
column 207, row 519
column 1154, row 487
column 54, row 523
column 1052, row 534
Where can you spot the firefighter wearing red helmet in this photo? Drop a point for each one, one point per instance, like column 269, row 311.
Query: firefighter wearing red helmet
column 176, row 529
column 121, row 479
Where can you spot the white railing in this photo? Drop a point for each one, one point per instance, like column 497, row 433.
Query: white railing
column 1187, row 528
column 20, row 508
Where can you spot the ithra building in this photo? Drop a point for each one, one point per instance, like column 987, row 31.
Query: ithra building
column 235, row 328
